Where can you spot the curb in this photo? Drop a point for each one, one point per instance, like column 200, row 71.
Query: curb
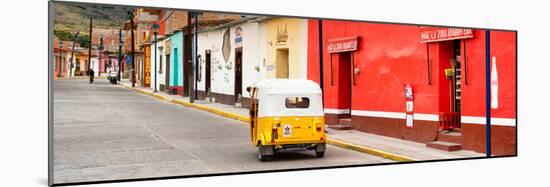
column 331, row 141
column 368, row 150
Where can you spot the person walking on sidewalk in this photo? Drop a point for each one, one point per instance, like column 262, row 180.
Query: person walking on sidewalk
column 91, row 75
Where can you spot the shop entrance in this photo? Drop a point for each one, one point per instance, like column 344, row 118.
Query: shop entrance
column 451, row 60
column 450, row 87
column 281, row 64
column 238, row 74
column 456, row 79
column 344, row 81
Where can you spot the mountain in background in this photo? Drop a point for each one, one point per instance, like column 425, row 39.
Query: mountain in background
column 73, row 17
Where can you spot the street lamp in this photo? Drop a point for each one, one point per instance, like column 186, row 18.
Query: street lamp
column 155, row 31
column 59, row 68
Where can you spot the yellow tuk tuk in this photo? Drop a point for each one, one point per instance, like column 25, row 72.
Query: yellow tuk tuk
column 286, row 114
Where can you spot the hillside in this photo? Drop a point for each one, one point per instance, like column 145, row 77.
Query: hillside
column 76, row 17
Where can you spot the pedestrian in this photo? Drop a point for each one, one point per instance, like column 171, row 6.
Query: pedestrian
column 91, row 75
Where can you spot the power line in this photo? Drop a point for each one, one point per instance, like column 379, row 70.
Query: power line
column 167, row 17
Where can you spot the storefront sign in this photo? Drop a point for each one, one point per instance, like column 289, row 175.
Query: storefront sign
column 147, row 65
column 443, row 34
column 342, row 44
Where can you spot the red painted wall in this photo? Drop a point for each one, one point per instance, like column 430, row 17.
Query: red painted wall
column 385, row 62
column 503, row 47
column 391, row 55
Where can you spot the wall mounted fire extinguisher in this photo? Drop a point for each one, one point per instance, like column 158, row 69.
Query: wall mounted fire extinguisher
column 409, row 106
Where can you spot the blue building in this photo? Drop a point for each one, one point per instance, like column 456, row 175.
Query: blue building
column 176, row 63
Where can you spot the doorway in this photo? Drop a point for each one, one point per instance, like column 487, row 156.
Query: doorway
column 238, row 74
column 450, row 84
column 77, row 67
column 167, row 74
column 187, row 64
column 281, row 64
column 456, row 62
column 207, row 73
column 344, row 81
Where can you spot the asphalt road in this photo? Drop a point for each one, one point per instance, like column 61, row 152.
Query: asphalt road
column 106, row 132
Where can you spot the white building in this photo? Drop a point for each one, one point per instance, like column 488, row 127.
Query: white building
column 220, row 50
column 94, row 63
column 160, row 65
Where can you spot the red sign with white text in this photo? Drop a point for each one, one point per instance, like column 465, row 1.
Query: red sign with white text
column 342, row 44
column 443, row 34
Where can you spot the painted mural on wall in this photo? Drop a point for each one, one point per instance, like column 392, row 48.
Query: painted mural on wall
column 226, row 45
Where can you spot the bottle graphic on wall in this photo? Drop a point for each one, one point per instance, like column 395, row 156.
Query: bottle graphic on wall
column 494, row 84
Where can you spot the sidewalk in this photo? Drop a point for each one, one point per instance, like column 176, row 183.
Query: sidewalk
column 387, row 147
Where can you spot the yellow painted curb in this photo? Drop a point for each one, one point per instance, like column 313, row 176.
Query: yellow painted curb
column 188, row 104
column 213, row 110
column 369, row 150
column 339, row 143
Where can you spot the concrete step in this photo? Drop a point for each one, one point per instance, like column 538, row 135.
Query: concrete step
column 445, row 146
column 344, row 121
column 339, row 127
column 450, row 136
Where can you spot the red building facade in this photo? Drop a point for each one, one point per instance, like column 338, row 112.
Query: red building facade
column 366, row 67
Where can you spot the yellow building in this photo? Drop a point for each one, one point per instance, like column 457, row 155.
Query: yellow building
column 146, row 66
column 81, row 64
column 286, row 51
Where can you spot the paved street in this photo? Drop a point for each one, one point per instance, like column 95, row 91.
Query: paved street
column 106, row 132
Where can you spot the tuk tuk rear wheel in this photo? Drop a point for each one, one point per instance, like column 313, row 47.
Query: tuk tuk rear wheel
column 262, row 153
column 319, row 154
column 320, row 150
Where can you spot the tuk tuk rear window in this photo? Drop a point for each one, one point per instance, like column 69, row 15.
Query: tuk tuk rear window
column 297, row 102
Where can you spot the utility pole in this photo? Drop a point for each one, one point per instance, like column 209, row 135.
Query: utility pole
column 100, row 54
column 488, row 93
column 187, row 64
column 133, row 49
column 192, row 82
column 90, row 49
column 60, row 66
column 119, row 54
column 72, row 54
column 321, row 78
column 195, row 55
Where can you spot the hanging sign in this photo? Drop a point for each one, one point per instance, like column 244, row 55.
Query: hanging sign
column 409, row 119
column 238, row 37
column 128, row 59
column 443, row 34
column 409, row 106
column 342, row 44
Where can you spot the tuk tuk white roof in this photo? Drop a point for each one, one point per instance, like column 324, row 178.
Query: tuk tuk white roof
column 288, row 86
column 272, row 94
